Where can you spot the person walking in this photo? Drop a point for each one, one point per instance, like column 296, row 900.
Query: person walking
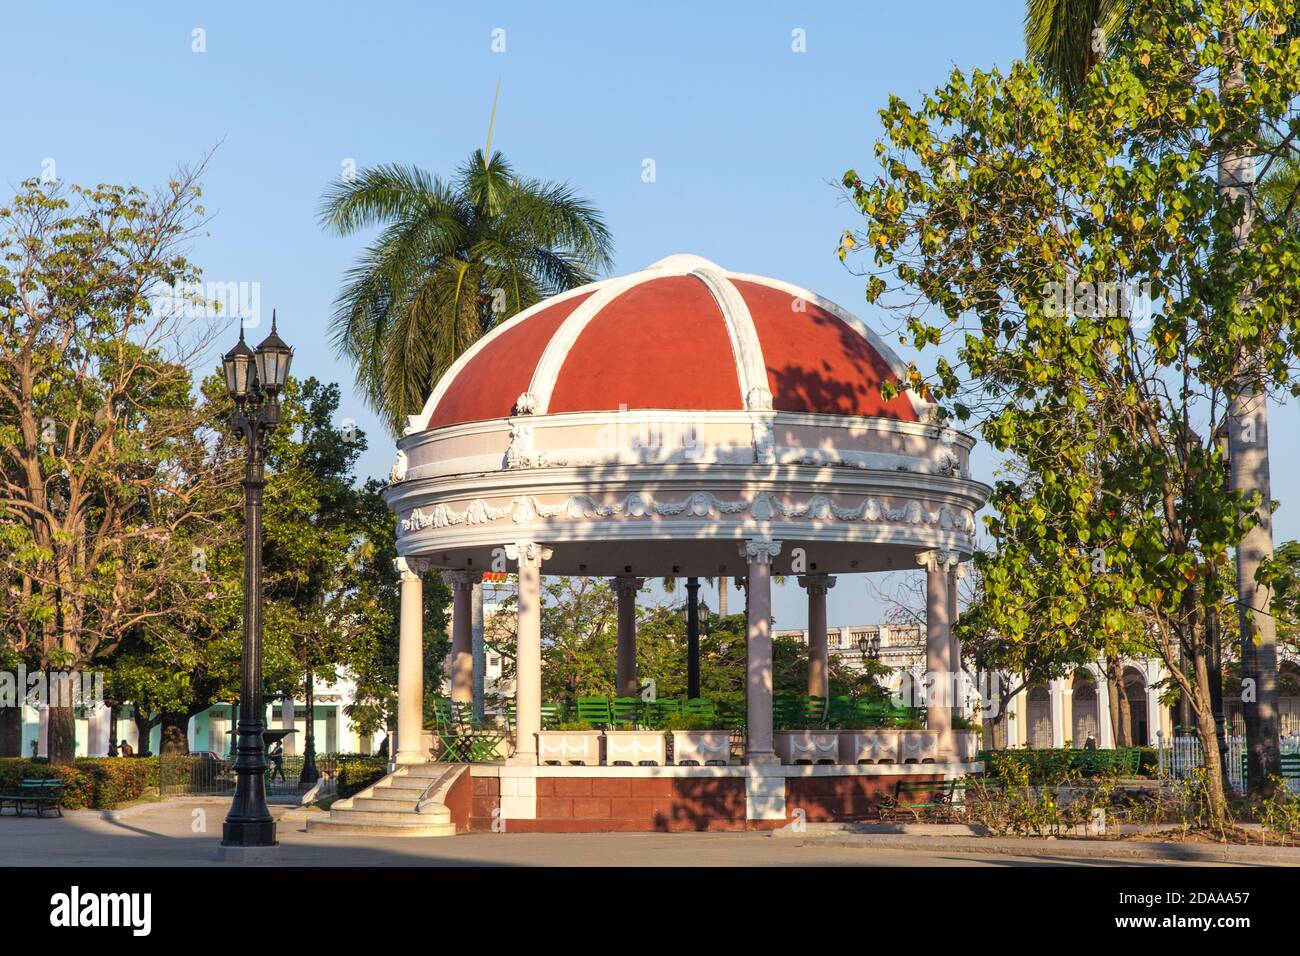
column 276, row 753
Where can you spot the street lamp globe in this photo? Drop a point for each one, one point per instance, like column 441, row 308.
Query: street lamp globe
column 273, row 358
column 238, row 364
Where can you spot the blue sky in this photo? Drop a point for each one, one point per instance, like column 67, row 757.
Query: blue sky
column 747, row 136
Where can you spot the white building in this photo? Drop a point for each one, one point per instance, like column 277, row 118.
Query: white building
column 209, row 730
column 1064, row 711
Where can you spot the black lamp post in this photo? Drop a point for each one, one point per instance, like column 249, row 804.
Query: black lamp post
column 254, row 380
column 869, row 646
column 692, row 637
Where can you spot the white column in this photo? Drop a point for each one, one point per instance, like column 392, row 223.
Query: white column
column 462, row 633
column 1105, row 733
column 410, row 662
column 286, row 721
column 627, row 587
column 938, row 648
column 1054, row 691
column 479, row 648
column 42, row 732
column 819, row 673
column 956, row 571
column 528, row 652
column 1154, row 710
column 759, row 552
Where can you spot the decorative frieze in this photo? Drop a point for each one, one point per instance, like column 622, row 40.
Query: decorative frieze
column 763, row 507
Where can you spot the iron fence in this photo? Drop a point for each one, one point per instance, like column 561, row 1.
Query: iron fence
column 1179, row 756
column 209, row 774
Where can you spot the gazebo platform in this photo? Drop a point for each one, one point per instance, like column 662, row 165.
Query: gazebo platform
column 574, row 799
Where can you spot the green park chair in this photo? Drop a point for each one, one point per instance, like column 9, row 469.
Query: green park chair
column 786, row 712
column 699, row 707
column 813, row 712
column 838, row 710
column 660, row 712
column 552, row 714
column 732, row 713
column 627, row 711
column 595, row 711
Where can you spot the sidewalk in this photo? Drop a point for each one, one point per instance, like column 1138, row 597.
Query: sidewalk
column 958, row 838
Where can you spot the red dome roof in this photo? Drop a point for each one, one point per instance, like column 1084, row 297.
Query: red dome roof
column 682, row 334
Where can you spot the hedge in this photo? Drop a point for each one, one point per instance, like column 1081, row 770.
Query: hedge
column 1057, row 764
column 356, row 772
column 94, row 783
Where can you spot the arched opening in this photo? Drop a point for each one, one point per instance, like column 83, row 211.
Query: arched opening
column 1084, row 723
column 1038, row 713
column 1135, row 689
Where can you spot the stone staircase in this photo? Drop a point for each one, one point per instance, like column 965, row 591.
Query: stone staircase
column 394, row 806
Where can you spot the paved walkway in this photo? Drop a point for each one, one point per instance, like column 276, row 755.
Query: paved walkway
column 186, row 834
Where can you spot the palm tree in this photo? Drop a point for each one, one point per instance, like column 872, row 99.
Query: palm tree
column 1067, row 38
column 452, row 259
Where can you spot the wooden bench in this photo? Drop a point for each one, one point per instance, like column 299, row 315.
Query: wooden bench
column 37, row 793
column 936, row 799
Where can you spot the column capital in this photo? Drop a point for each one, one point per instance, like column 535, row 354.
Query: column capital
column 960, row 569
column 760, row 550
column 937, row 559
column 628, row 586
column 461, row 579
column 816, row 583
column 410, row 567
column 528, row 553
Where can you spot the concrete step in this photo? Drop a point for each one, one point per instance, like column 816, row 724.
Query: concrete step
column 380, row 828
column 394, row 795
column 427, row 770
column 376, row 805
column 406, row 783
column 433, row 814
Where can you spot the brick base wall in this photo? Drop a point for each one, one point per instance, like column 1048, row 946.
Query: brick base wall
column 841, row 799
column 676, row 804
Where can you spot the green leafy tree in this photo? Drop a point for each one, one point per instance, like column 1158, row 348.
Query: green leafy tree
column 997, row 202
column 453, row 258
column 105, row 476
column 373, row 632
column 1068, row 38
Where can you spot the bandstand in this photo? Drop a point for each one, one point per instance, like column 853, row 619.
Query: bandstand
column 687, row 421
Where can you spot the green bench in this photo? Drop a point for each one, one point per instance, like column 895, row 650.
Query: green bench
column 38, row 793
column 933, row 799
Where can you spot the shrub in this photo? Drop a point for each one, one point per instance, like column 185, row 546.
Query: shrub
column 95, row 783
column 682, row 722
column 358, row 771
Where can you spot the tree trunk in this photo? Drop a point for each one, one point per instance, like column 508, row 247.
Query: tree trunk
column 1248, row 451
column 142, row 727
column 1207, row 732
column 61, row 734
column 11, row 731
column 1121, row 718
column 1248, row 474
column 722, row 596
column 174, row 741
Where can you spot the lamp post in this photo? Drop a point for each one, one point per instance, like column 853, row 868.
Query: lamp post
column 254, row 380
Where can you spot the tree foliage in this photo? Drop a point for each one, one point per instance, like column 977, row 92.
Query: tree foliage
column 1012, row 224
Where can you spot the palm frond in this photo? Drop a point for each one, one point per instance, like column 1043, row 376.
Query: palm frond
column 1067, row 38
